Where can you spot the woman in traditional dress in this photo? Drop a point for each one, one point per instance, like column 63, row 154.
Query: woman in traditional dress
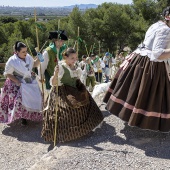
column 98, row 65
column 140, row 94
column 20, row 96
column 82, row 65
column 77, row 114
column 90, row 80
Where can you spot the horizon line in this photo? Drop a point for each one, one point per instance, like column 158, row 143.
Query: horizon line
column 58, row 6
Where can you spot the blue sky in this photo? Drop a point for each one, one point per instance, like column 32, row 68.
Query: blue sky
column 56, row 3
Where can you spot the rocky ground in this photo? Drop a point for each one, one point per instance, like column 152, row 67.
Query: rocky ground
column 114, row 146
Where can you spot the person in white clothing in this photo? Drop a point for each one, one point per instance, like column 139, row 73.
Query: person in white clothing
column 108, row 63
column 140, row 91
column 90, row 78
column 82, row 65
column 20, row 96
column 98, row 65
column 52, row 55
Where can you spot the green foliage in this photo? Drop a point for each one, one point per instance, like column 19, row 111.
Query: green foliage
column 151, row 10
column 113, row 25
column 7, row 19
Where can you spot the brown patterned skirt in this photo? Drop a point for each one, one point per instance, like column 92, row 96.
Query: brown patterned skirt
column 77, row 115
column 140, row 95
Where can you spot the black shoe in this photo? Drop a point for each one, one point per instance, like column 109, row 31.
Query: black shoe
column 23, row 121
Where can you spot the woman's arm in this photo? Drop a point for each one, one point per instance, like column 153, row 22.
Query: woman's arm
column 58, row 74
column 36, row 62
column 14, row 79
column 160, row 49
column 165, row 54
column 55, row 76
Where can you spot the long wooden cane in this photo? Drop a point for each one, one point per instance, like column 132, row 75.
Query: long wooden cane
column 75, row 44
column 56, row 108
column 98, row 65
column 99, row 48
column 86, row 50
column 29, row 47
column 38, row 50
column 78, row 34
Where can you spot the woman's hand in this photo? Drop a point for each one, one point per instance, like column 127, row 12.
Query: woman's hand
column 40, row 57
column 54, row 78
column 42, row 80
column 56, row 70
column 18, row 83
column 14, row 79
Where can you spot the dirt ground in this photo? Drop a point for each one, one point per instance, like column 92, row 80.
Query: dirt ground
column 113, row 146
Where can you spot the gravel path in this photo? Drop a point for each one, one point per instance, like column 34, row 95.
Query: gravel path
column 114, row 146
column 21, row 146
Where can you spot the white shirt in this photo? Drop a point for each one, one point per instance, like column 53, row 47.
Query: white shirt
column 82, row 64
column 157, row 39
column 31, row 95
column 107, row 60
column 44, row 64
column 97, row 66
column 15, row 64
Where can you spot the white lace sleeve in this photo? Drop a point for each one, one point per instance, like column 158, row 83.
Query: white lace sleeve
column 160, row 42
column 44, row 64
column 79, row 72
column 60, row 75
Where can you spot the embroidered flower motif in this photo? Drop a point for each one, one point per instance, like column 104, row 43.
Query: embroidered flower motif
column 11, row 105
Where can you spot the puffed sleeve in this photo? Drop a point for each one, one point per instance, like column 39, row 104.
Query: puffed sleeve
column 79, row 72
column 60, row 75
column 161, row 40
column 43, row 64
column 8, row 69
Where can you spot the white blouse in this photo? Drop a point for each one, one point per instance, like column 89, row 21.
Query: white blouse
column 15, row 64
column 157, row 39
column 73, row 73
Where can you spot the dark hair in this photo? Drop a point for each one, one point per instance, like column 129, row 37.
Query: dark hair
column 19, row 45
column 84, row 56
column 69, row 51
column 166, row 11
column 92, row 55
column 60, row 34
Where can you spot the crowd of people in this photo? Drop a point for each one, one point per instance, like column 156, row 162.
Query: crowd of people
column 139, row 92
column 96, row 70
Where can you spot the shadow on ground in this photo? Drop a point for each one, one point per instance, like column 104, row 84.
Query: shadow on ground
column 28, row 133
column 154, row 144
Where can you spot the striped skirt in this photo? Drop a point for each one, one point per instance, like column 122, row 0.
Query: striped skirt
column 72, row 121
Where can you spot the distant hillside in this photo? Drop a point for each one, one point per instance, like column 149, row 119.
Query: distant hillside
column 42, row 11
column 81, row 6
